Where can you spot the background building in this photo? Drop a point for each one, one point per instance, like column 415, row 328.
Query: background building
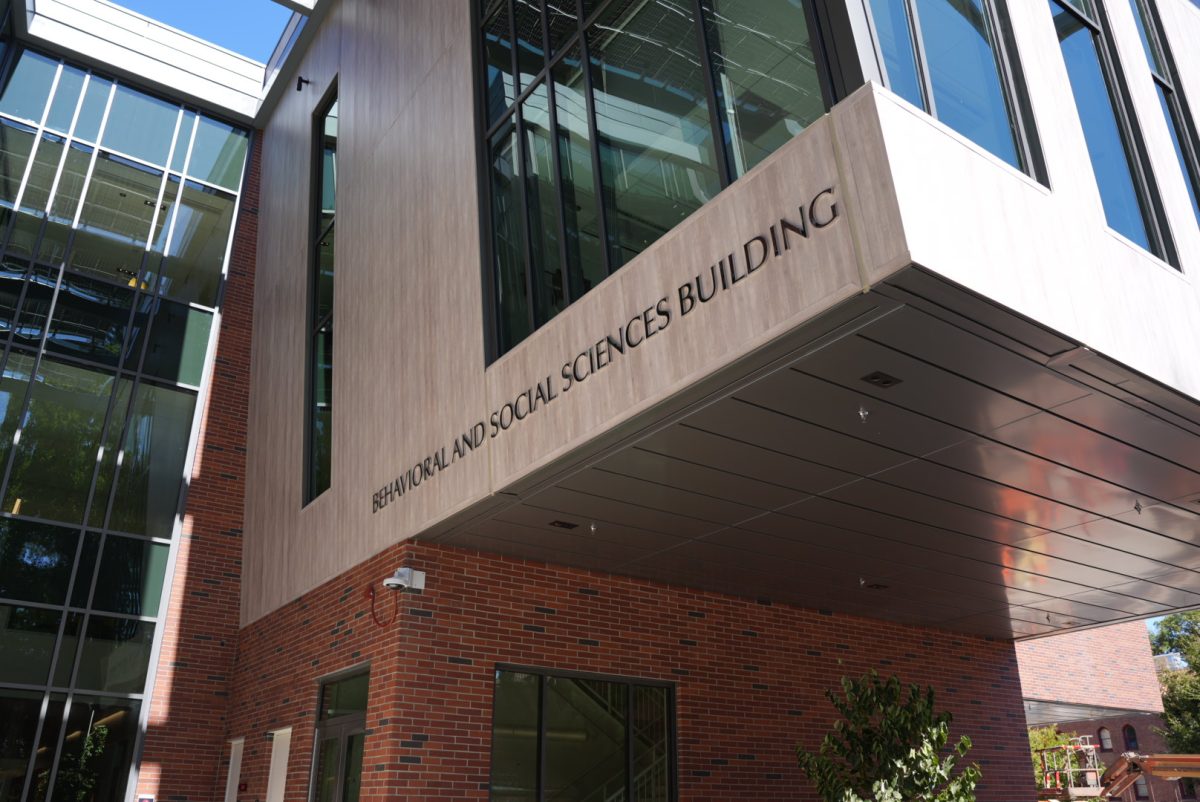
column 697, row 352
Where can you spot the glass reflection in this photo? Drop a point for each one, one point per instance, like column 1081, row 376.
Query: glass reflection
column 498, row 69
column 508, row 241
column 35, row 561
column 115, row 655
column 28, row 87
column 27, row 636
column 90, row 320
column 97, row 747
column 218, row 153
column 199, row 238
column 131, row 576
column 178, row 342
column 140, row 126
column 66, row 97
column 585, row 259
column 593, row 763
column 16, row 143
column 541, row 200
column 515, row 738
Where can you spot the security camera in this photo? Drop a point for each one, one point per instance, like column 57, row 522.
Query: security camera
column 405, row 579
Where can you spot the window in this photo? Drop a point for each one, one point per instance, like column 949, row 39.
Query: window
column 603, row 132
column 581, row 737
column 1140, row 789
column 950, row 58
column 341, row 732
column 1174, row 106
column 1187, row 788
column 320, row 342
column 1130, row 736
column 1105, row 739
column 1122, row 174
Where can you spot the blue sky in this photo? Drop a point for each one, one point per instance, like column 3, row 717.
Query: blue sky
column 249, row 27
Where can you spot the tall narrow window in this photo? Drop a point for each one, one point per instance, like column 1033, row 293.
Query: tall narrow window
column 602, row 133
column 340, row 737
column 1129, row 734
column 1122, row 174
column 320, row 345
column 580, row 737
column 1170, row 97
column 948, row 57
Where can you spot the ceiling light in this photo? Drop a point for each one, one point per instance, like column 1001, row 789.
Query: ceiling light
column 564, row 525
column 881, row 379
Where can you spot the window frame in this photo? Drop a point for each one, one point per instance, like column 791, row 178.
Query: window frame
column 629, row 681
column 1104, row 735
column 1127, row 730
column 315, row 233
column 1012, row 80
column 342, row 727
column 1158, row 231
column 838, row 68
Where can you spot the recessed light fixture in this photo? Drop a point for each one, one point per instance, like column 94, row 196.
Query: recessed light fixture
column 875, row 586
column 564, row 525
column 881, row 380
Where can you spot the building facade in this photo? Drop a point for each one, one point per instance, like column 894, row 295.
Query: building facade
column 691, row 355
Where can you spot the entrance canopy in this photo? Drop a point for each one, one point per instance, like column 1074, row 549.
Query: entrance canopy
column 918, row 454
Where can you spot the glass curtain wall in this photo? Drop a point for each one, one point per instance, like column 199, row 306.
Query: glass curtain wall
column 1123, row 177
column 116, row 211
column 947, row 57
column 607, row 122
column 1174, row 106
column 320, row 344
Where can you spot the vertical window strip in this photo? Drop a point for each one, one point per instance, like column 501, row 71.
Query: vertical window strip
column 1170, row 96
column 319, row 429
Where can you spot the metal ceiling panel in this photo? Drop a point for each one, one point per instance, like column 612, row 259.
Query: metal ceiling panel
column 725, row 484
column 1169, row 593
column 1147, row 432
column 1094, row 554
column 601, row 510
column 1002, row 596
column 604, row 543
column 1171, row 520
column 1116, row 601
column 539, row 518
column 1120, row 535
column 659, row 497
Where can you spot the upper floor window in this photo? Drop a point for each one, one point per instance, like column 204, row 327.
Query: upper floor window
column 1130, row 736
column 1140, row 789
column 950, row 59
column 608, row 123
column 320, row 335
column 1123, row 176
column 1170, row 97
column 1187, row 788
column 580, row 737
column 1105, row 739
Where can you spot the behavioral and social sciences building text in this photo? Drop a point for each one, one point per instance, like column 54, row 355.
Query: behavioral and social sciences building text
column 690, row 355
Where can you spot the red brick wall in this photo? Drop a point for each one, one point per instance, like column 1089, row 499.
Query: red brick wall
column 1109, row 666
column 1149, row 742
column 185, row 736
column 749, row 677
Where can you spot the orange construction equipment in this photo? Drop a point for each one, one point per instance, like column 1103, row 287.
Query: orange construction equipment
column 1130, row 766
column 1072, row 771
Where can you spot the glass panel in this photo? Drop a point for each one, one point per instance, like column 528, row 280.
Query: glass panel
column 198, row 244
column 23, row 238
column 563, row 23
column 219, row 154
column 16, row 141
column 13, row 384
column 657, row 157
column 508, row 222
column 178, row 343
column 894, row 34
column 166, row 209
column 131, row 576
column 39, row 293
column 87, row 567
column 588, row 760
column 111, row 445
column 1111, row 159
column 531, row 48
column 324, row 305
column 95, row 99
column 321, row 443
column 68, row 650
column 70, row 183
column 41, row 175
column 352, row 784
column 66, row 98
column 960, row 49
column 652, row 744
column 1174, row 124
column 19, row 714
column 179, row 155
column 97, row 750
column 541, row 199
column 585, row 259
column 45, row 751
column 52, row 469
column 325, row 781
column 140, row 126
column 28, row 89
column 345, row 696
column 115, row 655
column 35, row 561
column 515, row 738
column 497, row 59
column 329, row 167
column 155, row 448
column 116, row 217
column 1144, row 28
column 766, row 75
column 27, row 638
column 90, row 320
column 12, row 278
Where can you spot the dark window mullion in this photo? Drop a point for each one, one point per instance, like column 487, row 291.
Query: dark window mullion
column 556, row 172
column 717, row 122
column 630, row 790
column 541, row 739
column 918, row 41
column 585, row 54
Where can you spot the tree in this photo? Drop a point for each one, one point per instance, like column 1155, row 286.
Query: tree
column 1179, row 632
column 1046, row 738
column 1181, row 711
column 889, row 746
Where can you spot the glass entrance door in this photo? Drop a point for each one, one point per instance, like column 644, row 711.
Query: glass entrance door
column 337, row 773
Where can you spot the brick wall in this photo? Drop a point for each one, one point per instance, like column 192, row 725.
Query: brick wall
column 749, row 677
column 185, row 736
column 1109, row 666
column 1149, row 741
